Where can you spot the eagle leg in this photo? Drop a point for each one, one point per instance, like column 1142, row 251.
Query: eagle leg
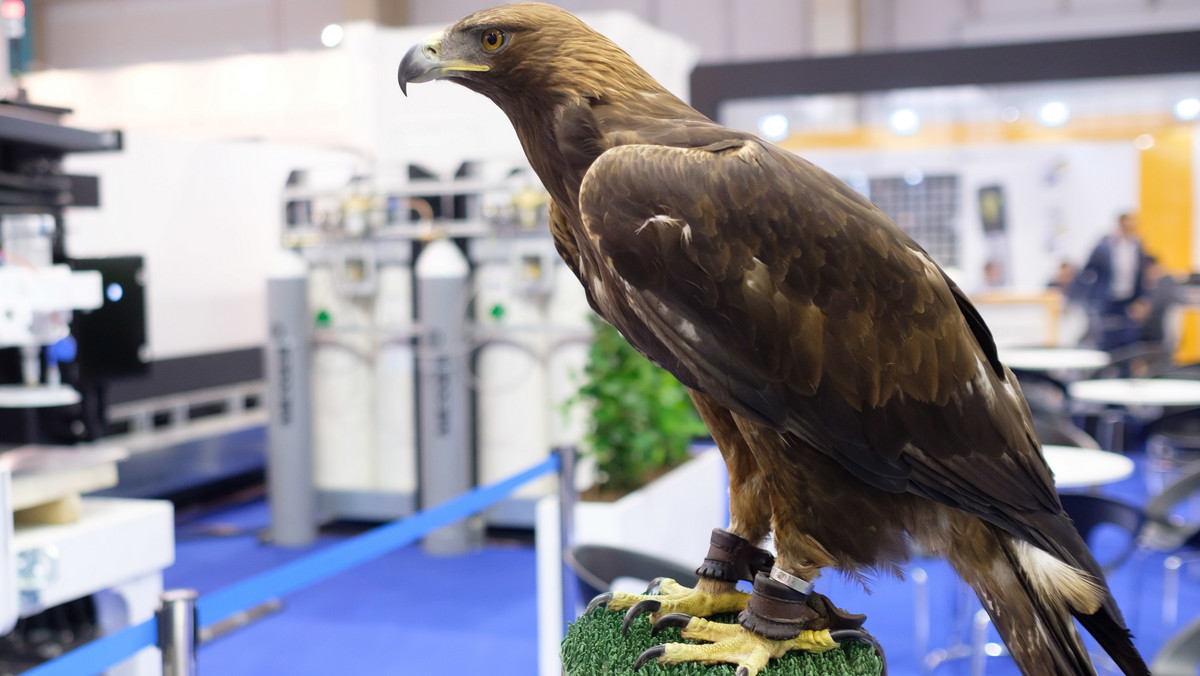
column 730, row 558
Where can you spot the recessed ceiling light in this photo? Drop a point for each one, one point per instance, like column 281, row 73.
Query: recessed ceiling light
column 331, row 35
column 904, row 121
column 1188, row 109
column 774, row 126
column 1054, row 114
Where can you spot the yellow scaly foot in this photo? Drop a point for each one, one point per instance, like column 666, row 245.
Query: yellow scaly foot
column 672, row 597
column 734, row 644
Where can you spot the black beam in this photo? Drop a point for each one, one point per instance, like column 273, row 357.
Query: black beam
column 1156, row 54
column 56, row 137
column 183, row 374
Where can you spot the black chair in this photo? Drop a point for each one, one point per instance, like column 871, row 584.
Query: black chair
column 1058, row 430
column 1089, row 512
column 1181, row 371
column 1181, row 654
column 1138, row 360
column 1043, row 392
column 1172, row 441
column 1165, row 532
column 596, row 566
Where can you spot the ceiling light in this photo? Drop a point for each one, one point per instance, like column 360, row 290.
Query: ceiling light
column 904, row 121
column 1188, row 109
column 774, row 126
column 331, row 35
column 1054, row 114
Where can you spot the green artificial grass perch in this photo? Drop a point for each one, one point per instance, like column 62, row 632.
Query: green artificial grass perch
column 594, row 647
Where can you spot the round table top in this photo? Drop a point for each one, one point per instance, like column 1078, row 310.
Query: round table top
column 37, row 396
column 1075, row 467
column 1138, row 391
column 1053, row 358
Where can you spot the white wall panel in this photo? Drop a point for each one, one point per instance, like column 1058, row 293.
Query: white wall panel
column 108, row 32
column 764, row 29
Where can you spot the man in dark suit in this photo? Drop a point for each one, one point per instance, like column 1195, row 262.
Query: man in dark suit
column 1114, row 274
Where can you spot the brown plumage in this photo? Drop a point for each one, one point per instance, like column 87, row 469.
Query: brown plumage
column 854, row 391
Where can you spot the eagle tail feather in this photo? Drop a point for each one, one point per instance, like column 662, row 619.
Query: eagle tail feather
column 1104, row 621
column 1031, row 596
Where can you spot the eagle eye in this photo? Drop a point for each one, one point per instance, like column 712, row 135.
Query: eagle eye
column 491, row 39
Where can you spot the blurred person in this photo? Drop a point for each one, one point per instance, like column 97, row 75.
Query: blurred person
column 993, row 275
column 1153, row 310
column 1113, row 279
column 1073, row 317
column 1063, row 279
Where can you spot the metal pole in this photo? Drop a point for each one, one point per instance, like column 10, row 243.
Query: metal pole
column 290, row 488
column 8, row 557
column 445, row 458
column 567, row 497
column 177, row 632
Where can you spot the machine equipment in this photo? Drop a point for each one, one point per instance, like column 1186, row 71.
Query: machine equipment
column 442, row 342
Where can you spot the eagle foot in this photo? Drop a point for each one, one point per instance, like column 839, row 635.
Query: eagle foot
column 673, row 597
column 731, row 644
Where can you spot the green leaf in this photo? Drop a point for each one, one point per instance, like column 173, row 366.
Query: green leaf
column 642, row 418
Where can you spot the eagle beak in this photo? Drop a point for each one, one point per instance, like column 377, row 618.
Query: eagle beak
column 424, row 62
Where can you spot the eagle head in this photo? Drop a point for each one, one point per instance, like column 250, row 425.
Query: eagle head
column 524, row 50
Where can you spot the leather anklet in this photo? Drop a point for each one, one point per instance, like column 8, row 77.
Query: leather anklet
column 732, row 558
column 775, row 610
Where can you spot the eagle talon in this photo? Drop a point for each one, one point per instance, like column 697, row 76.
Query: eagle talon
column 650, row 654
column 652, row 588
column 600, row 601
column 643, row 606
column 679, row 620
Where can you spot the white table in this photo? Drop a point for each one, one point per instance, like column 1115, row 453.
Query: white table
column 1085, row 467
column 1137, row 392
column 1053, row 358
column 116, row 550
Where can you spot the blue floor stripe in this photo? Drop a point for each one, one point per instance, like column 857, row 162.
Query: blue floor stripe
column 97, row 656
column 343, row 556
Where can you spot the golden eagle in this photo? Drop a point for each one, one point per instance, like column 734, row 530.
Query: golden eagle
column 854, row 391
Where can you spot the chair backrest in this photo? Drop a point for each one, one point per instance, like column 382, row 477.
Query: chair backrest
column 1180, row 429
column 1043, row 392
column 597, row 566
column 1158, row 510
column 1057, row 429
column 1181, row 655
column 1089, row 512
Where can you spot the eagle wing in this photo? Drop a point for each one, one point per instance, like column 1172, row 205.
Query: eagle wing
column 765, row 282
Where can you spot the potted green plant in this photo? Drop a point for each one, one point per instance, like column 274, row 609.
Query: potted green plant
column 642, row 421
column 653, row 495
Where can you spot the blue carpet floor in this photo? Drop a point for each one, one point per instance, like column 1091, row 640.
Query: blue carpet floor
column 404, row 613
column 411, row 613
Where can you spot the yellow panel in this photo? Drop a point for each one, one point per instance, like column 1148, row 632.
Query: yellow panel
column 1166, row 198
column 1166, row 214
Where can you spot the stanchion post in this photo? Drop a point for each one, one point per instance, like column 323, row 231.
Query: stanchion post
column 178, row 632
column 567, row 497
